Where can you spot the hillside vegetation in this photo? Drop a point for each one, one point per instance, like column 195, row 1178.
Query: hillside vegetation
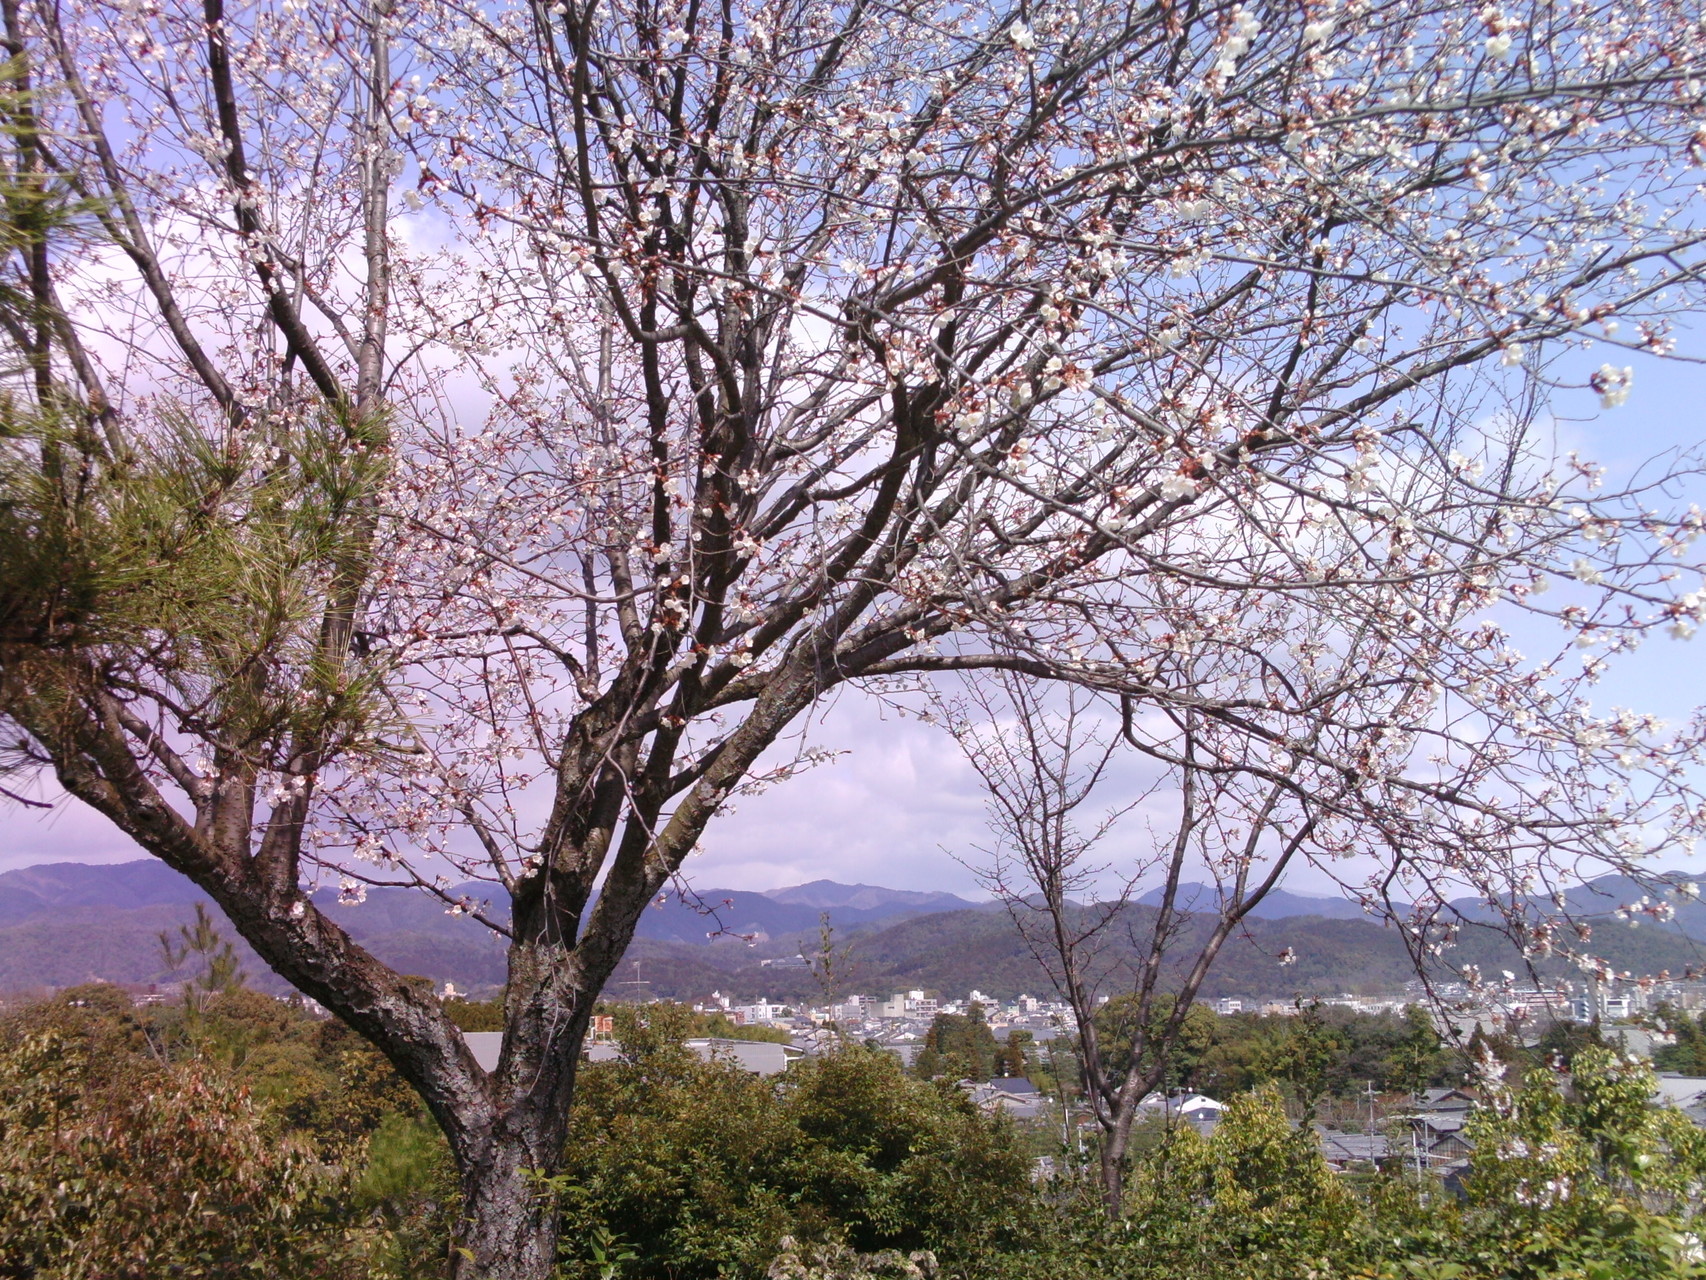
column 72, row 924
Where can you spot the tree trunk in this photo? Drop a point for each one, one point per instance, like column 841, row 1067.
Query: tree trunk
column 509, row 1222
column 1113, row 1173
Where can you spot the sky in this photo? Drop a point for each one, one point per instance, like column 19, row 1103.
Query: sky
column 899, row 806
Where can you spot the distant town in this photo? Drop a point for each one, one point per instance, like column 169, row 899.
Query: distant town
column 900, row 1022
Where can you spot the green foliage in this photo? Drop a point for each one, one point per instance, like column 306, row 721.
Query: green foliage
column 1570, row 1179
column 476, row 1015
column 1255, row 1196
column 1254, row 1200
column 719, row 1026
column 407, row 1162
column 408, row 1190
column 1688, row 1054
column 700, row 1169
column 210, row 1139
column 211, row 551
column 837, row 1262
column 216, row 969
column 829, row 963
column 1017, row 1057
column 961, row 1047
column 1117, row 1027
column 96, row 1023
column 270, row 1143
column 1586, row 1182
column 1322, row 1051
column 1305, row 1058
column 365, row 1091
column 689, row 1023
column 1589, row 1182
column 1418, row 1058
column 182, row 1174
column 1562, row 1041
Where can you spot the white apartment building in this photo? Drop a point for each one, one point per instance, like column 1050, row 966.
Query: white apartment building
column 762, row 1011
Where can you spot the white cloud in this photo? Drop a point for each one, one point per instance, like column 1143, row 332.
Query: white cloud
column 894, row 811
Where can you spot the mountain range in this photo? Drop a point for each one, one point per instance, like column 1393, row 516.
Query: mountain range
column 64, row 923
column 1277, row 904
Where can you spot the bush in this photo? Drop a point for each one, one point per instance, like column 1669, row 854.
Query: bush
column 1254, row 1199
column 408, row 1193
column 174, row 1174
column 1588, row 1181
column 838, row 1262
column 1577, row 1182
column 129, row 1149
column 697, row 1169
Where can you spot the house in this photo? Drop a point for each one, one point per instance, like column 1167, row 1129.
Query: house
column 1686, row 1093
column 1450, row 1147
column 761, row 1057
column 765, row 1011
column 1676, row 1090
column 1342, row 1150
column 1011, row 1095
column 1438, row 1100
column 1197, row 1108
column 1437, row 1125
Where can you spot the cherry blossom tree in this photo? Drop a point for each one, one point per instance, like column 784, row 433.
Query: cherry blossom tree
column 1231, row 810
column 464, row 440
column 1229, row 794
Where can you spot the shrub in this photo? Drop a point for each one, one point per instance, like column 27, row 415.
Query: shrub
column 174, row 1174
column 408, row 1193
column 693, row 1169
column 1255, row 1196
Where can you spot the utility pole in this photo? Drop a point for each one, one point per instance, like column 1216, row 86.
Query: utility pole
column 1065, row 1109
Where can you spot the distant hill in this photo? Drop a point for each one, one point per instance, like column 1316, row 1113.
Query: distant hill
column 1279, row 904
column 953, row 952
column 784, row 914
column 1594, row 900
column 67, row 923
column 826, row 895
column 1599, row 898
column 63, row 923
column 79, row 944
column 52, row 887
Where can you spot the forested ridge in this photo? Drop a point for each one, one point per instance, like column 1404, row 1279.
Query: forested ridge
column 951, row 952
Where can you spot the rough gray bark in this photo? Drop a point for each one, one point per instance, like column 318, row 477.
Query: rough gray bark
column 509, row 1221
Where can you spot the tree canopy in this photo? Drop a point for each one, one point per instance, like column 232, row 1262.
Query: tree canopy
column 476, row 436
